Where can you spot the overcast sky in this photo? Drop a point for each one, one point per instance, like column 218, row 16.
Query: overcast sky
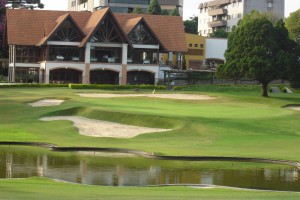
column 189, row 8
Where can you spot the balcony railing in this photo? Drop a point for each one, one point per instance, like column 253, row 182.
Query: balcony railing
column 219, row 11
column 217, row 23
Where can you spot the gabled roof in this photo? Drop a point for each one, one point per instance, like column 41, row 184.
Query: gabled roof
column 33, row 27
column 29, row 27
column 169, row 29
column 131, row 24
column 60, row 21
column 93, row 23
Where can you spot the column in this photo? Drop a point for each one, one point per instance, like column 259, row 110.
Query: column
column 170, row 59
column 86, row 73
column 124, row 64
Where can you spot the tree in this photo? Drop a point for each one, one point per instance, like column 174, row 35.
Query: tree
column 219, row 33
column 2, row 25
column 191, row 25
column 293, row 25
column 25, row 4
column 259, row 50
column 175, row 12
column 138, row 10
column 154, row 8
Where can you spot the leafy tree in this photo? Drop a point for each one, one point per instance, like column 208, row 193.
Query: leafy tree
column 154, row 8
column 2, row 25
column 259, row 50
column 191, row 25
column 175, row 12
column 164, row 12
column 293, row 25
column 138, row 10
column 25, row 4
column 219, row 33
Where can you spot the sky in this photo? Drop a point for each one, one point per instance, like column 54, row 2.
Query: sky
column 190, row 7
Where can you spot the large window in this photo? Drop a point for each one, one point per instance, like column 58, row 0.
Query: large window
column 27, row 75
column 141, row 35
column 106, row 55
column 140, row 56
column 107, row 32
column 27, row 54
column 65, row 53
column 68, row 32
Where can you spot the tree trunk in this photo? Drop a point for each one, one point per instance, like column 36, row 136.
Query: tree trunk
column 264, row 91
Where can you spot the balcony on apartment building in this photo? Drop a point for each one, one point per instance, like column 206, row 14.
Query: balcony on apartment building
column 219, row 11
column 218, row 2
column 217, row 23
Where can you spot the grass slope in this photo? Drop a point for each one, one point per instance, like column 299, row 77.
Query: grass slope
column 40, row 188
column 237, row 123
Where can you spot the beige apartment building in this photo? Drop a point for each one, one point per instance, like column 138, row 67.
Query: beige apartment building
column 122, row 6
column 226, row 13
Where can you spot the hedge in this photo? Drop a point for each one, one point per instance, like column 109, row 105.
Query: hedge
column 32, row 85
column 115, row 87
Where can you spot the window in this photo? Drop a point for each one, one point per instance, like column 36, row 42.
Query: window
column 201, row 45
column 239, row 15
column 142, row 35
column 228, row 28
column 270, row 5
column 190, row 45
column 195, row 52
column 27, row 54
column 67, row 32
column 195, row 45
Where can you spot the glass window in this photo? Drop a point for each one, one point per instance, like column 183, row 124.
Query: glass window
column 27, row 75
column 142, row 56
column 190, row 45
column 195, row 45
column 141, row 35
column 68, row 32
column 106, row 54
column 270, row 5
column 65, row 53
column 27, row 54
column 201, row 45
column 144, row 2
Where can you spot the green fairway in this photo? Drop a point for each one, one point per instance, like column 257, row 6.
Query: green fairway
column 39, row 188
column 237, row 123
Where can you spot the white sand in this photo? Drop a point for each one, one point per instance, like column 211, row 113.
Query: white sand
column 294, row 108
column 98, row 128
column 47, row 102
column 166, row 96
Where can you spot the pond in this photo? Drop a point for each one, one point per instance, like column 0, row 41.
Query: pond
column 117, row 169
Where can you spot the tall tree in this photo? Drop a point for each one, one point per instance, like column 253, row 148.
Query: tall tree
column 175, row 12
column 219, row 33
column 138, row 10
column 2, row 25
column 25, row 4
column 293, row 25
column 255, row 52
column 154, row 8
column 191, row 25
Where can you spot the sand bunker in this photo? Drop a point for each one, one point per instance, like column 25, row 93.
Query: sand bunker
column 294, row 108
column 98, row 128
column 47, row 102
column 165, row 96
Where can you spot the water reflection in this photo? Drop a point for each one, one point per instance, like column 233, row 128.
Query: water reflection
column 17, row 162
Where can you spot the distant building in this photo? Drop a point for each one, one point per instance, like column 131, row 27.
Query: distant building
column 226, row 13
column 122, row 6
column 194, row 58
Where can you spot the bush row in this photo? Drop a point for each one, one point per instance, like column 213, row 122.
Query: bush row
column 33, row 85
column 216, row 85
column 115, row 87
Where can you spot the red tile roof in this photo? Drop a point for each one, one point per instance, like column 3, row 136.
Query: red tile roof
column 31, row 27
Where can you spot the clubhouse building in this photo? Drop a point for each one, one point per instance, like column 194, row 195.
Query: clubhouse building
column 98, row 47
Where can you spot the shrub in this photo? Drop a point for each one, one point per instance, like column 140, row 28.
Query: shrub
column 32, row 85
column 115, row 87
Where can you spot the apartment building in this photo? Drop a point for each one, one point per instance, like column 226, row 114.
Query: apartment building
column 122, row 6
column 226, row 13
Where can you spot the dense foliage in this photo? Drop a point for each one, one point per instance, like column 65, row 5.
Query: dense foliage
column 293, row 25
column 154, row 8
column 259, row 50
column 191, row 25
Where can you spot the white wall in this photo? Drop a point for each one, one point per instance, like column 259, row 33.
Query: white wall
column 215, row 47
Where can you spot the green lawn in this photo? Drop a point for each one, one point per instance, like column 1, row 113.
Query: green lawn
column 237, row 123
column 39, row 188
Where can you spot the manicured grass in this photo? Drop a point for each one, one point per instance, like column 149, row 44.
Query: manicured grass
column 237, row 123
column 39, row 188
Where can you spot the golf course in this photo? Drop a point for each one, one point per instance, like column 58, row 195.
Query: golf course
column 225, row 121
